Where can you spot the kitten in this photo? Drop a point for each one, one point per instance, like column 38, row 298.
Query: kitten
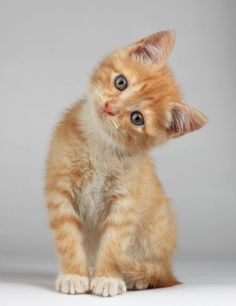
column 106, row 205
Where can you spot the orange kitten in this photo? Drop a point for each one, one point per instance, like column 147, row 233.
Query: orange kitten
column 107, row 207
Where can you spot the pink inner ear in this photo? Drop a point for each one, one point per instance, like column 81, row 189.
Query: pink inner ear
column 185, row 119
column 155, row 48
column 147, row 52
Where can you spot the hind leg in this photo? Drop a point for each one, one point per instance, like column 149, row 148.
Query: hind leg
column 148, row 260
column 142, row 275
column 155, row 275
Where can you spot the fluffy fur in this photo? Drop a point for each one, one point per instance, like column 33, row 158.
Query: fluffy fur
column 106, row 205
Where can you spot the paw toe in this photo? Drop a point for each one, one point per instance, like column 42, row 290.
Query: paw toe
column 72, row 284
column 107, row 286
column 137, row 285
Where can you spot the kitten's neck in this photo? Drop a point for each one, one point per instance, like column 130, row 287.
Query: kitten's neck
column 94, row 134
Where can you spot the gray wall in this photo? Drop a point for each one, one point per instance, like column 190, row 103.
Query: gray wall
column 48, row 49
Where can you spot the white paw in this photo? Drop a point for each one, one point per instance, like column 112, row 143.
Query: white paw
column 72, row 284
column 107, row 286
column 139, row 285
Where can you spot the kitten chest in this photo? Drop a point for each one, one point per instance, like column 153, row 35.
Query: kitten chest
column 103, row 182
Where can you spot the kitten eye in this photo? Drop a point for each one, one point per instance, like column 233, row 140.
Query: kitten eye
column 120, row 82
column 137, row 118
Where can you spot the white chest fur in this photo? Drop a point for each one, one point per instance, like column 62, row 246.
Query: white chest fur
column 91, row 199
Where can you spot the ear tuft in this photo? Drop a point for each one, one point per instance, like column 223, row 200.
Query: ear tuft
column 184, row 119
column 155, row 48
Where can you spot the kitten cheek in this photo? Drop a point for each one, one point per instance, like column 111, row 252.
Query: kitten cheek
column 97, row 108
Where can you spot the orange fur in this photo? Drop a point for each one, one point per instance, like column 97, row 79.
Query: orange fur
column 106, row 205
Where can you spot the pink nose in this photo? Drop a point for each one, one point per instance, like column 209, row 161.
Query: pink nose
column 107, row 109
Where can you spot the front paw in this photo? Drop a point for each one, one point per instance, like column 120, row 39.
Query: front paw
column 107, row 286
column 72, row 284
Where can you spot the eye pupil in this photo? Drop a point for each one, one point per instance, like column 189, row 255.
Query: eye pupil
column 137, row 118
column 120, row 82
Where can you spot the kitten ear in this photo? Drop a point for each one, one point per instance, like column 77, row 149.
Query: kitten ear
column 155, row 48
column 182, row 119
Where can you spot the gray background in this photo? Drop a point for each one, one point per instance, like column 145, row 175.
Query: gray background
column 47, row 50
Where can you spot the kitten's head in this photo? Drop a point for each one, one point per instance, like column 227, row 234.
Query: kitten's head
column 136, row 99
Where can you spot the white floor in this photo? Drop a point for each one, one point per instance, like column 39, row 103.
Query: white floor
column 205, row 284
